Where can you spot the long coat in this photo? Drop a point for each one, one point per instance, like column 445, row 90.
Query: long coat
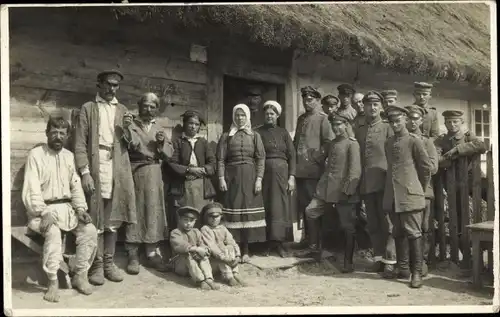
column 434, row 160
column 408, row 175
column 339, row 182
column 180, row 162
column 87, row 154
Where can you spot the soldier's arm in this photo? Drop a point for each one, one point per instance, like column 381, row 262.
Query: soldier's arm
column 434, row 131
column 438, row 143
column 474, row 145
column 433, row 156
column 354, row 169
column 422, row 162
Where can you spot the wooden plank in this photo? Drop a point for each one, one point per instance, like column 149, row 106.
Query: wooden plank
column 439, row 205
column 491, row 187
column 215, row 91
column 452, row 210
column 476, row 189
column 463, row 188
column 291, row 96
column 482, row 226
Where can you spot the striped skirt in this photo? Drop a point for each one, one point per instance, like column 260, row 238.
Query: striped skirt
column 243, row 212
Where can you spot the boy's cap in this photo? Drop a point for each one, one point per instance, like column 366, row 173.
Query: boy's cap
column 188, row 210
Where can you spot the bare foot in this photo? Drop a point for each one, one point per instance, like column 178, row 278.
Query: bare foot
column 204, row 286
column 232, row 282
column 238, row 278
column 52, row 294
column 245, row 258
column 212, row 284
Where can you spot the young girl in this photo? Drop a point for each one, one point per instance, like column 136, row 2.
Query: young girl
column 190, row 256
column 224, row 251
column 240, row 166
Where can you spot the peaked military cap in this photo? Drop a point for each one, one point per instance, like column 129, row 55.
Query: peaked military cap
column 421, row 86
column 395, row 111
column 113, row 76
column 453, row 114
column 330, row 99
column 338, row 118
column 373, row 96
column 389, row 93
column 346, row 89
column 310, row 91
column 415, row 110
column 188, row 210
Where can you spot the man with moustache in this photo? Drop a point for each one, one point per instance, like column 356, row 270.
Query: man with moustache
column 371, row 136
column 102, row 160
column 422, row 94
column 55, row 202
column 408, row 177
column 312, row 134
column 357, row 102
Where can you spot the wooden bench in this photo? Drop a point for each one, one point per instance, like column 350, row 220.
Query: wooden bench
column 481, row 233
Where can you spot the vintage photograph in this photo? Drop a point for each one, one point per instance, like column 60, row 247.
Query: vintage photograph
column 251, row 156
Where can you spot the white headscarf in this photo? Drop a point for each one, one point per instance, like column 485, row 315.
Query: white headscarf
column 275, row 104
column 247, row 127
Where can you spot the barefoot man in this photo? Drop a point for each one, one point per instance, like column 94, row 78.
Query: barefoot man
column 54, row 200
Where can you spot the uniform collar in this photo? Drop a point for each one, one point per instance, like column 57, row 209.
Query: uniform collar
column 99, row 99
column 374, row 122
column 404, row 133
column 457, row 136
column 425, row 107
column 184, row 136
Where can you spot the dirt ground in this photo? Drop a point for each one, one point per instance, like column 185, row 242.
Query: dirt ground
column 314, row 284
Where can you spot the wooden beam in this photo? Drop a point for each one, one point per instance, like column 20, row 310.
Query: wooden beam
column 215, row 93
column 291, row 96
column 451, row 190
column 463, row 189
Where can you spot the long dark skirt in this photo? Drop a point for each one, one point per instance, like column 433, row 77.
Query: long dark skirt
column 275, row 193
column 151, row 226
column 243, row 212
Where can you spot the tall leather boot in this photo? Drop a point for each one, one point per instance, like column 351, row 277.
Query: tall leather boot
column 426, row 248
column 350, row 240
column 403, row 257
column 96, row 271
column 111, row 272
column 417, row 254
column 313, row 230
column 133, row 266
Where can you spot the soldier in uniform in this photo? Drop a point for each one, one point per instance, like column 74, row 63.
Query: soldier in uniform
column 338, row 186
column 422, row 95
column 407, row 179
column 371, row 136
column 454, row 144
column 415, row 119
column 345, row 109
column 330, row 104
column 312, row 134
column 357, row 102
column 390, row 99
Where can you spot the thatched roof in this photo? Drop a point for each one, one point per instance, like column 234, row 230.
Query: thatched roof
column 443, row 40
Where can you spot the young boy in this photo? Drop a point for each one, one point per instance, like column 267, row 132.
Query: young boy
column 190, row 256
column 224, row 251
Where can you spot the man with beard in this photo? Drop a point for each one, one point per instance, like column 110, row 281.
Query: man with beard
column 407, row 179
column 103, row 162
column 422, row 95
column 330, row 104
column 147, row 145
column 54, row 200
column 371, row 136
column 312, row 134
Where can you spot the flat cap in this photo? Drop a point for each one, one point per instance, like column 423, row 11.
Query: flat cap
column 113, row 76
column 391, row 93
column 338, row 118
column 395, row 111
column 373, row 96
column 330, row 100
column 253, row 90
column 310, row 91
column 188, row 210
column 346, row 89
column 453, row 114
column 415, row 110
column 421, row 86
column 193, row 113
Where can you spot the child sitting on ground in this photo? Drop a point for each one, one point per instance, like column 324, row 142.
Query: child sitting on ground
column 224, row 251
column 190, row 256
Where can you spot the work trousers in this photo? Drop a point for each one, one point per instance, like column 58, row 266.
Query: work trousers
column 378, row 225
column 199, row 271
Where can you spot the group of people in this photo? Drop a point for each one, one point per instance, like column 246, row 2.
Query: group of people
column 347, row 150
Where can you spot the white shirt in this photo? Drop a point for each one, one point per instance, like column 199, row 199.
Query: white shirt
column 107, row 112
column 193, row 161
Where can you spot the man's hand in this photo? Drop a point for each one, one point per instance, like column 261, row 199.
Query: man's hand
column 47, row 220
column 127, row 119
column 451, row 154
column 258, row 185
column 291, row 184
column 88, row 184
column 197, row 171
column 160, row 136
column 83, row 216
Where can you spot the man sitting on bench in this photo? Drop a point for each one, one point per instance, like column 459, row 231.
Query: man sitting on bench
column 54, row 200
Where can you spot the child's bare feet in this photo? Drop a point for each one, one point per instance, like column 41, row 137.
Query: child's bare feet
column 52, row 294
column 232, row 282
column 245, row 258
column 212, row 284
column 204, row 286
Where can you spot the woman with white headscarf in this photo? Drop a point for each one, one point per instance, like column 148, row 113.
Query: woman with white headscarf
column 240, row 167
column 279, row 178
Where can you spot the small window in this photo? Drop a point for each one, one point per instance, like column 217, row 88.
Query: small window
column 481, row 124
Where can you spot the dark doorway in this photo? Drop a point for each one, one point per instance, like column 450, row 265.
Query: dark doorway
column 235, row 92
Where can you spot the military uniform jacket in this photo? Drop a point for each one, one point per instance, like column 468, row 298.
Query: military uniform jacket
column 339, row 182
column 430, row 124
column 371, row 137
column 311, row 136
column 408, row 175
column 434, row 160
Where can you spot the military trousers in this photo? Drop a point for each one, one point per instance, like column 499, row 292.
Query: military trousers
column 378, row 224
column 346, row 211
column 306, row 188
column 403, row 225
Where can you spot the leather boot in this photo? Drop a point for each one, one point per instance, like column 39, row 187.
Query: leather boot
column 96, row 271
column 426, row 248
column 349, row 253
column 403, row 257
column 417, row 254
column 133, row 266
column 312, row 227
column 111, row 272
